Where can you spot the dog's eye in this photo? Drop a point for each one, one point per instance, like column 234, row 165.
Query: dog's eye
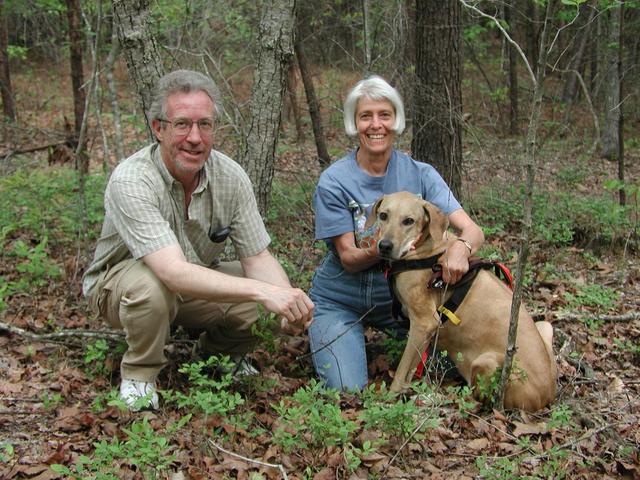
column 408, row 221
column 382, row 216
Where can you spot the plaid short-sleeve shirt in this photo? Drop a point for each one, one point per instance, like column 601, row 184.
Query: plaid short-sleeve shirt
column 145, row 211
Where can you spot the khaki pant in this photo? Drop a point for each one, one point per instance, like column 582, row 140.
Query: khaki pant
column 131, row 297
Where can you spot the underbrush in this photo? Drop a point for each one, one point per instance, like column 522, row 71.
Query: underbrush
column 273, row 417
column 560, row 218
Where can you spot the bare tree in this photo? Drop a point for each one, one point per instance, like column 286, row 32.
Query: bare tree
column 437, row 94
column 8, row 105
column 509, row 18
column 312, row 100
column 275, row 51
column 612, row 140
column 131, row 19
column 76, row 44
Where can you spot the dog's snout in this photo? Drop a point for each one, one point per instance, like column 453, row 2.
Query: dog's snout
column 385, row 247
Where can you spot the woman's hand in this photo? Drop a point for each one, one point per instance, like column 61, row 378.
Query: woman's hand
column 455, row 262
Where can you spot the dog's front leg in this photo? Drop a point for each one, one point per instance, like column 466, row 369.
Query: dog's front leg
column 423, row 324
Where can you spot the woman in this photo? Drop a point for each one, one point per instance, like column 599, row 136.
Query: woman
column 349, row 284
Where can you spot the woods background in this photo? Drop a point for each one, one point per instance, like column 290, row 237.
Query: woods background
column 521, row 130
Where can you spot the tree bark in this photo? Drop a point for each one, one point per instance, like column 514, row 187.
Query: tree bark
column 275, row 51
column 612, row 109
column 76, row 44
column 437, row 95
column 577, row 59
column 8, row 105
column 113, row 97
column 314, row 107
column 513, row 70
column 131, row 19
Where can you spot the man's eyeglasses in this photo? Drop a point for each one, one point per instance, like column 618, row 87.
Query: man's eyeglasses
column 182, row 126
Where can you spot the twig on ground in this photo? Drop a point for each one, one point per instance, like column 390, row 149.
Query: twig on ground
column 626, row 317
column 57, row 336
column 251, row 460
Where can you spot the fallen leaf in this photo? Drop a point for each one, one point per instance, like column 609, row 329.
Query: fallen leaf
column 478, row 444
column 529, row 428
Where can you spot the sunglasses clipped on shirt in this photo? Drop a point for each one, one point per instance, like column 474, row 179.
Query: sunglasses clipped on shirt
column 183, row 126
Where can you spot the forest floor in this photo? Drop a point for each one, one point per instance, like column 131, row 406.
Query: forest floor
column 54, row 392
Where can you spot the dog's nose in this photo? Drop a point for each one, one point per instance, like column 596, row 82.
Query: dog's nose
column 385, row 247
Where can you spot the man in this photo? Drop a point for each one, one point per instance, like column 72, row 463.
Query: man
column 168, row 210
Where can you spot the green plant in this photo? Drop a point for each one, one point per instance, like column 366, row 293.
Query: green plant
column 312, row 418
column 393, row 347
column 264, row 329
column 35, row 265
column 207, row 393
column 627, row 345
column 6, row 452
column 498, row 468
column 50, row 402
column 39, row 201
column 559, row 217
column 144, row 448
column 463, row 396
column 592, row 295
column 561, row 416
column 95, row 357
column 393, row 416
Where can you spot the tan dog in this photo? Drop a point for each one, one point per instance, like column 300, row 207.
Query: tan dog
column 411, row 228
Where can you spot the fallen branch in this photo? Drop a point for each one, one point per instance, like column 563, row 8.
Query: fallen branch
column 11, row 153
column 626, row 317
column 55, row 336
column 251, row 460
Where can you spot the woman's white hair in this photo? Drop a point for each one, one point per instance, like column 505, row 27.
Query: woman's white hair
column 373, row 88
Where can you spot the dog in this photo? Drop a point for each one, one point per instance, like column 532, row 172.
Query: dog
column 410, row 228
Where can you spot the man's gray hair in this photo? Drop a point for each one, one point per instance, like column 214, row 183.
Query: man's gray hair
column 373, row 88
column 184, row 81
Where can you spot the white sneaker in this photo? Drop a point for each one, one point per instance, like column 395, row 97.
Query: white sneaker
column 139, row 395
column 243, row 366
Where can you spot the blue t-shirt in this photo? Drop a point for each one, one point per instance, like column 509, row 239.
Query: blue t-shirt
column 345, row 193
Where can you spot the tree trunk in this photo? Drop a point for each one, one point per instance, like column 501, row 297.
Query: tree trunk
column 275, row 51
column 131, row 19
column 8, row 105
column 366, row 33
column 612, row 107
column 577, row 60
column 113, row 98
column 76, row 44
column 437, row 97
column 531, row 148
column 314, row 107
column 513, row 69
column 293, row 109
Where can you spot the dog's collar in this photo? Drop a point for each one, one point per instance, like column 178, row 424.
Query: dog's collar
column 399, row 266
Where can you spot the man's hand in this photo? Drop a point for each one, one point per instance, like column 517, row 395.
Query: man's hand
column 292, row 304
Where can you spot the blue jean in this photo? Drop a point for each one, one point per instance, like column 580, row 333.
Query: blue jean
column 337, row 333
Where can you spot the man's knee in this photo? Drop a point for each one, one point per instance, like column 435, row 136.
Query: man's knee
column 144, row 299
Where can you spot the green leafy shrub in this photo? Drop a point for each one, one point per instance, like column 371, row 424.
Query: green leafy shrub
column 559, row 218
column 144, row 448
column 207, row 393
column 312, row 418
column 39, row 201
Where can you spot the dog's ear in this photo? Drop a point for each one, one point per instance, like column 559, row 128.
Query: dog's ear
column 436, row 222
column 373, row 216
column 376, row 206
